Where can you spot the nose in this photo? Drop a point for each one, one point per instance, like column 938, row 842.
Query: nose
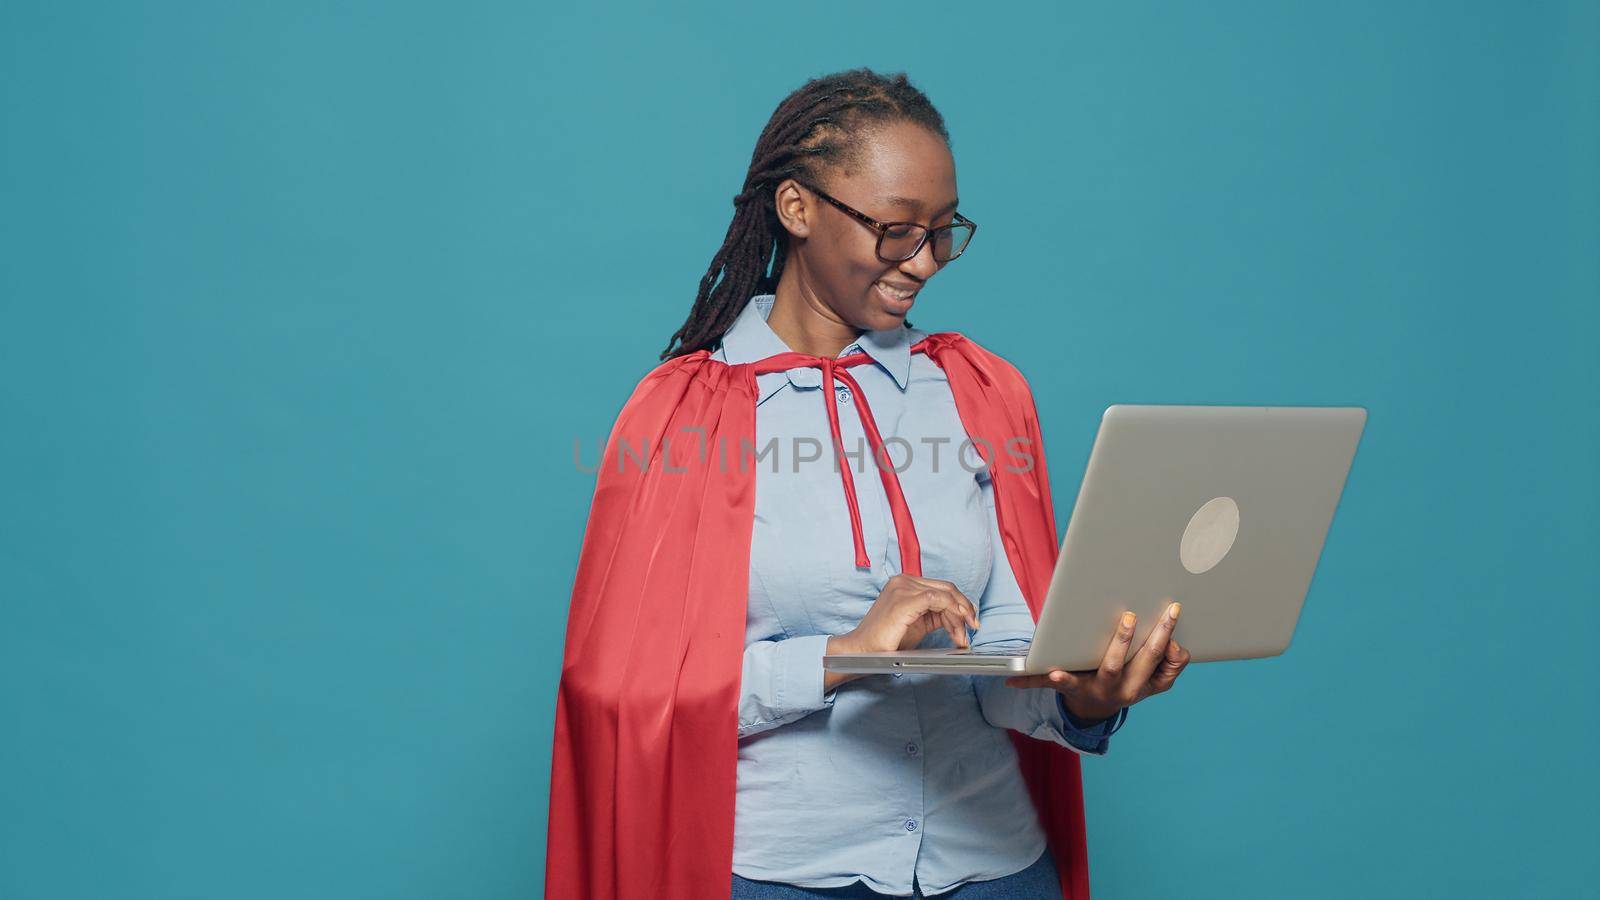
column 923, row 265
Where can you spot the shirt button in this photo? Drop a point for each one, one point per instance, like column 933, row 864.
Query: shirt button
column 911, row 749
column 911, row 824
column 843, row 393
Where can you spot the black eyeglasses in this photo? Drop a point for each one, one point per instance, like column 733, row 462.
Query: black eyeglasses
column 900, row 241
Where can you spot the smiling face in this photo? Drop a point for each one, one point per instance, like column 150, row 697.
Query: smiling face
column 902, row 173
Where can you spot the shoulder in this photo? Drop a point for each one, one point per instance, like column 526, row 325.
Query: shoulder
column 946, row 347
column 689, row 365
column 671, row 380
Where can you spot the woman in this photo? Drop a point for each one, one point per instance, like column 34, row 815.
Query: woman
column 845, row 785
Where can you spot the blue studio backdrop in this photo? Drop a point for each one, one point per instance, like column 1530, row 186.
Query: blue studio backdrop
column 306, row 305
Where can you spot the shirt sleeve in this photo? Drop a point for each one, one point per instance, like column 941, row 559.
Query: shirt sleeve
column 781, row 682
column 1006, row 621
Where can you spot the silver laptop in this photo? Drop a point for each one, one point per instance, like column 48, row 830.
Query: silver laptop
column 1222, row 508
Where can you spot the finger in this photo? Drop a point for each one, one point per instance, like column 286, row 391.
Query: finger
column 1116, row 657
column 926, row 603
column 1060, row 679
column 969, row 610
column 961, row 602
column 946, row 607
column 1171, row 667
column 940, row 620
column 957, row 626
column 930, row 598
column 1155, row 647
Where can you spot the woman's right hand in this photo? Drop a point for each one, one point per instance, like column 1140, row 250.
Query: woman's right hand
column 908, row 610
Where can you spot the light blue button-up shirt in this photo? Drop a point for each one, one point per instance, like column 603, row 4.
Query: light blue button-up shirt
column 885, row 779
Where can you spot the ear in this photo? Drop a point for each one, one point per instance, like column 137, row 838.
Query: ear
column 796, row 207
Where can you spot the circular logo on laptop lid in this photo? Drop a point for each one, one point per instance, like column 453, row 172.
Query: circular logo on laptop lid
column 1210, row 535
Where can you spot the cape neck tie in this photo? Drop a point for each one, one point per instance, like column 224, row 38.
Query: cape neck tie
column 905, row 531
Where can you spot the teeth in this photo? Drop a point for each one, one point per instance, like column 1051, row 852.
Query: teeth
column 896, row 292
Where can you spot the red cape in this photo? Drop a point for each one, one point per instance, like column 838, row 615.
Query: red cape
column 646, row 736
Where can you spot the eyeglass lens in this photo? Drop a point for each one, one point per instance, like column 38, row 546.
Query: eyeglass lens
column 901, row 242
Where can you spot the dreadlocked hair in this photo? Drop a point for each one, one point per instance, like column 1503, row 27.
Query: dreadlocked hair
column 815, row 130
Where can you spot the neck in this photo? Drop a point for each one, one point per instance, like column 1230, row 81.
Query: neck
column 804, row 323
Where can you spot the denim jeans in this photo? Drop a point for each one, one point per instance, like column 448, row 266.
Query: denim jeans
column 1036, row 882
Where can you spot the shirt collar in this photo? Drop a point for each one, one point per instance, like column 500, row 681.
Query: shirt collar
column 750, row 339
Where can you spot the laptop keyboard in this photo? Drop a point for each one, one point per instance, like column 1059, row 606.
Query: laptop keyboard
column 986, row 652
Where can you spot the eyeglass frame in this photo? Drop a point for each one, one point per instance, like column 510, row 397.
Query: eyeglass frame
column 883, row 227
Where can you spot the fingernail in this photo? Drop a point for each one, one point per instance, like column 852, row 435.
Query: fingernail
column 1173, row 610
column 1127, row 621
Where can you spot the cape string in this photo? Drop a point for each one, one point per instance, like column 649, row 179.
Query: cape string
column 905, row 530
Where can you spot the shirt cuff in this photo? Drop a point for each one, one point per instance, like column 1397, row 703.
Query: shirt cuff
column 1091, row 731
column 799, row 664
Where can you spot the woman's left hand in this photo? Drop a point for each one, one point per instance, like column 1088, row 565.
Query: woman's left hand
column 1118, row 682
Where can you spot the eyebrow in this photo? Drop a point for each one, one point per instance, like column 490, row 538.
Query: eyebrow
column 903, row 201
